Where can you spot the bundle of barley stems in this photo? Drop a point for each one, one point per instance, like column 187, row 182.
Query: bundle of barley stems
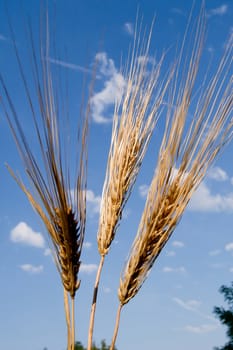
column 188, row 148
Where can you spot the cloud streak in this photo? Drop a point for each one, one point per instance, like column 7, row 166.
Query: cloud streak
column 88, row 268
column 218, row 11
column 69, row 65
column 168, row 269
column 129, row 29
column 204, row 328
column 31, row 269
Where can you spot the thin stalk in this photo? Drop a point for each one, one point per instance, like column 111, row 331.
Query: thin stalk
column 94, row 301
column 116, row 327
column 67, row 313
column 73, row 323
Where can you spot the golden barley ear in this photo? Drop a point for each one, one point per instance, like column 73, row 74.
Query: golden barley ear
column 187, row 151
column 134, row 120
column 49, row 190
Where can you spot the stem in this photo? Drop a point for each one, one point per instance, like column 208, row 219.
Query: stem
column 72, row 324
column 116, row 327
column 94, row 300
column 67, row 314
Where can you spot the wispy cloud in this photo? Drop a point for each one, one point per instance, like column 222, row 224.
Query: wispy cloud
column 190, row 305
column 217, row 174
column 204, row 328
column 205, row 201
column 69, row 65
column 88, row 268
column 87, row 245
column 178, row 244
column 218, row 11
column 93, row 203
column 229, row 247
column 215, row 252
column 178, row 11
column 112, row 91
column 107, row 290
column 47, row 252
column 170, row 253
column 193, row 306
column 143, row 190
column 31, row 268
column 168, row 269
column 24, row 234
column 129, row 28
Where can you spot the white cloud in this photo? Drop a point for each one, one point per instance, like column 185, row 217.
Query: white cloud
column 128, row 27
column 93, row 203
column 31, row 268
column 178, row 244
column 215, row 252
column 229, row 247
column 22, row 233
column 88, row 268
column 217, row 174
column 180, row 269
column 107, row 290
column 143, row 190
column 218, row 11
column 231, row 269
column 112, row 91
column 204, row 328
column 204, row 200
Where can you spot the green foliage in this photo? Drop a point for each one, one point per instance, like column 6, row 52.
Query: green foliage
column 226, row 316
column 103, row 346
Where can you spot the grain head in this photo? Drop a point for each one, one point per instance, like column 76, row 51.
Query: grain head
column 135, row 117
column 187, row 151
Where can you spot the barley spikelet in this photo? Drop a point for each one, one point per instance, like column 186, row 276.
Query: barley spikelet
column 50, row 195
column 135, row 117
column 187, row 151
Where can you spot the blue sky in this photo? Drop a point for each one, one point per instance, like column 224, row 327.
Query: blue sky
column 174, row 307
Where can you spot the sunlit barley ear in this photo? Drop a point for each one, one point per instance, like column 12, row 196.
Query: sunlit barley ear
column 187, row 150
column 50, row 191
column 135, row 117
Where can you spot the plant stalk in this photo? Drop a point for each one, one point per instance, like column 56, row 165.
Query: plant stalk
column 116, row 327
column 72, row 323
column 94, row 301
column 67, row 314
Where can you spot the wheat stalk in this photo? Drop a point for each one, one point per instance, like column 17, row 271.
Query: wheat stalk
column 50, row 192
column 186, row 153
column 135, row 117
